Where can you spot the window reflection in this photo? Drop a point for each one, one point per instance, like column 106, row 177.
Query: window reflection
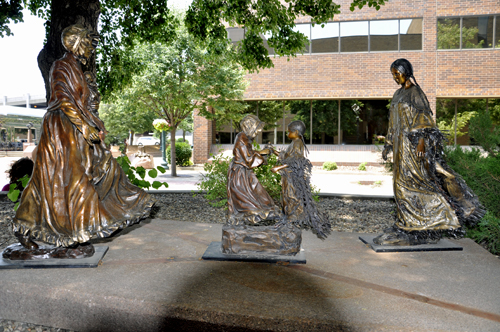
column 354, row 36
column 448, row 33
column 410, row 34
column 235, row 34
column 265, row 37
column 384, row 35
column 477, row 32
column 326, row 39
column 497, row 32
column 306, row 30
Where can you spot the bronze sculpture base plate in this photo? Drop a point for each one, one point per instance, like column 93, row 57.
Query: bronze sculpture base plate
column 271, row 240
column 40, row 262
column 442, row 245
column 214, row 253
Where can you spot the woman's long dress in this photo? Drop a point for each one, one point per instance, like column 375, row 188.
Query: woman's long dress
column 77, row 191
column 296, row 197
column 423, row 202
column 248, row 202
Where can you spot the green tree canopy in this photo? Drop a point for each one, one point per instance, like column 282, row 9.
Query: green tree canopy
column 126, row 21
column 172, row 80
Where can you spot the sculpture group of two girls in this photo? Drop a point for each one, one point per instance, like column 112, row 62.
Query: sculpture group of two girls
column 250, row 204
column 78, row 191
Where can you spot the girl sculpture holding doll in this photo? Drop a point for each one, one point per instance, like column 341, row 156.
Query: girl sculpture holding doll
column 430, row 196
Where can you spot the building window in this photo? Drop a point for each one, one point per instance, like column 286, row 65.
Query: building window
column 448, row 31
column 306, row 30
column 371, row 36
column 384, row 35
column 354, row 36
column 410, row 34
column 236, row 35
column 326, row 39
column 466, row 32
column 265, row 37
column 496, row 36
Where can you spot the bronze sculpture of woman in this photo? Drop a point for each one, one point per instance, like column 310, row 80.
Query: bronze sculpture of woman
column 77, row 191
column 430, row 196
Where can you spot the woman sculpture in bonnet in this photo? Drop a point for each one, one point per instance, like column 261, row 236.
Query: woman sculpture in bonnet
column 77, row 192
column 430, row 197
column 248, row 202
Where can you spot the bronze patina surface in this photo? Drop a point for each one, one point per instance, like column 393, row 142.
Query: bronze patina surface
column 296, row 197
column 430, row 196
column 77, row 191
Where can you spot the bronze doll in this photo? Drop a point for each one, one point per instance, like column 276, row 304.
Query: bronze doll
column 430, row 197
column 77, row 191
column 248, row 201
column 296, row 197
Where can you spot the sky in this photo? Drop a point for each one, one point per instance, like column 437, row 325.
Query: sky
column 19, row 73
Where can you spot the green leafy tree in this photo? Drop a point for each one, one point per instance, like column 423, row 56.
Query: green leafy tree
column 173, row 80
column 122, row 118
column 125, row 21
column 325, row 116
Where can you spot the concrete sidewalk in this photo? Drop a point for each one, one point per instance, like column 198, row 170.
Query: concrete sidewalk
column 153, row 279
column 332, row 183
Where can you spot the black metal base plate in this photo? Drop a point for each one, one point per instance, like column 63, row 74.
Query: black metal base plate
column 58, row 263
column 214, row 253
column 442, row 245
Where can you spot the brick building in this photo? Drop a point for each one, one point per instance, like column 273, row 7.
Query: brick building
column 350, row 59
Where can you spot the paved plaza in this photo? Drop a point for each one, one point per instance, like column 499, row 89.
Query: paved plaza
column 153, row 279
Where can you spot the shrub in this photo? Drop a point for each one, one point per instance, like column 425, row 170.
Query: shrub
column 215, row 179
column 482, row 174
column 329, row 165
column 183, row 154
column 487, row 233
column 362, row 166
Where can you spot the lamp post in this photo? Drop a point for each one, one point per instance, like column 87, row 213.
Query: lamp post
column 162, row 126
column 29, row 125
column 164, row 164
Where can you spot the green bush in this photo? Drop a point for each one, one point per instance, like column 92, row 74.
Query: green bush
column 482, row 174
column 329, row 165
column 362, row 166
column 487, row 233
column 183, row 154
column 215, row 179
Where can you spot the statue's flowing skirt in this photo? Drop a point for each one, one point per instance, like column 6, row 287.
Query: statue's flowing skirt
column 248, row 201
column 77, row 192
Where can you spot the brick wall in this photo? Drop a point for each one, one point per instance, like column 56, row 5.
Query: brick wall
column 202, row 138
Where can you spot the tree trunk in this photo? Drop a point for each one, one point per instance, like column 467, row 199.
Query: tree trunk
column 63, row 14
column 173, row 169
column 183, row 135
column 131, row 137
column 323, row 137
